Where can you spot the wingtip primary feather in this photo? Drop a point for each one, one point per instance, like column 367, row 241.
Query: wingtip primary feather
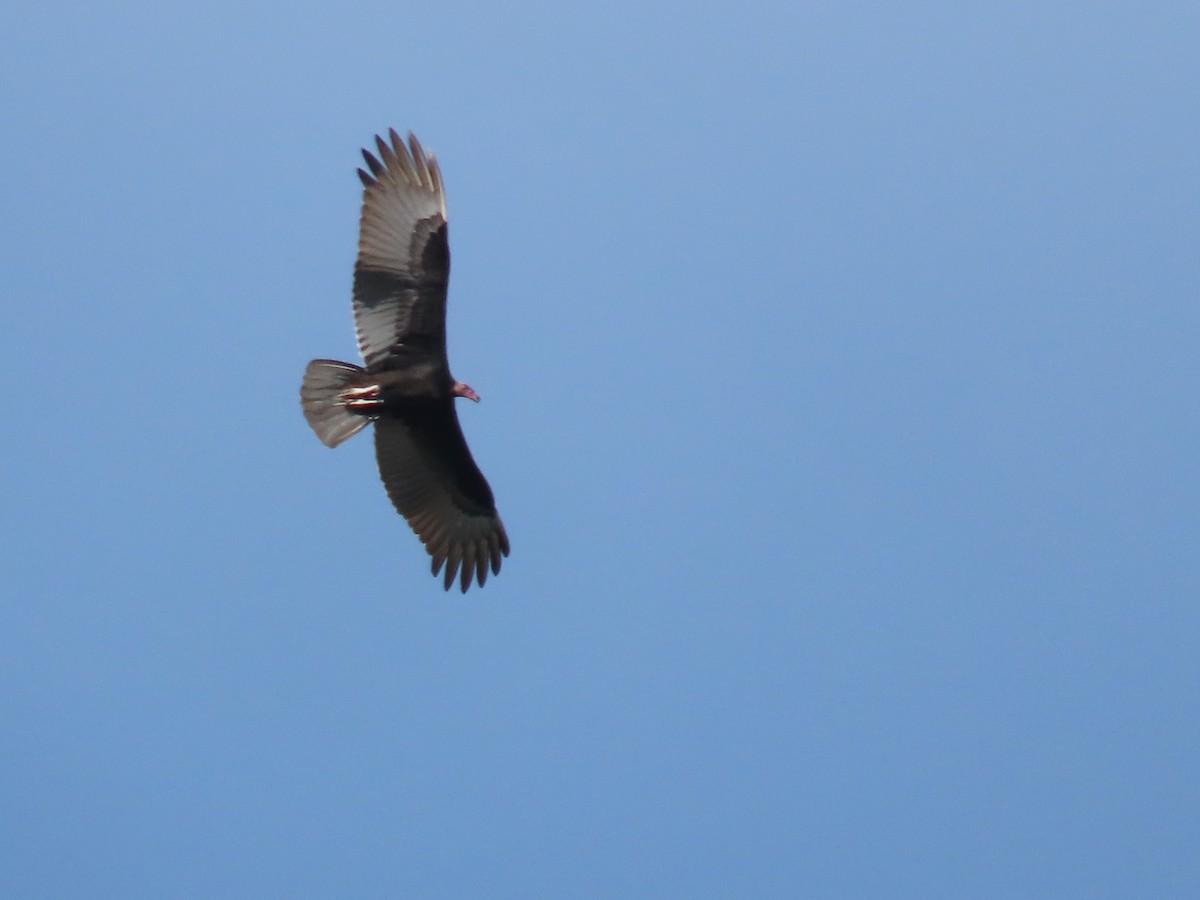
column 451, row 572
column 386, row 153
column 377, row 168
column 397, row 142
column 468, row 567
column 422, row 161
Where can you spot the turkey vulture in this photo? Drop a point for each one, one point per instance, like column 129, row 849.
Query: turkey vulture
column 405, row 387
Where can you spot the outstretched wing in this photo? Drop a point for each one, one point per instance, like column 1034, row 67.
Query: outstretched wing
column 434, row 483
column 403, row 255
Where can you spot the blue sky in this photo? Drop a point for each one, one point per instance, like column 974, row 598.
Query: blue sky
column 839, row 372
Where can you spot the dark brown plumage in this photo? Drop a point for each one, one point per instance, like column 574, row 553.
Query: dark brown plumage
column 405, row 387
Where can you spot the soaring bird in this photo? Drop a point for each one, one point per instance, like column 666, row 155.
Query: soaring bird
column 405, row 387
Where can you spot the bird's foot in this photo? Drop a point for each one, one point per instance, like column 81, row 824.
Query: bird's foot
column 363, row 399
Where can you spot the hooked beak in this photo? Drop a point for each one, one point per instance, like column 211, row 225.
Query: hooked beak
column 465, row 390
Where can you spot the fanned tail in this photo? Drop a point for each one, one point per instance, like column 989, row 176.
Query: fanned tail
column 324, row 381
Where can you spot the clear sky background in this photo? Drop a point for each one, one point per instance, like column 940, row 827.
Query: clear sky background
column 840, row 369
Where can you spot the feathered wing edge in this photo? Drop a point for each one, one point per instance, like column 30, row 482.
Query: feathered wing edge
column 433, row 482
column 403, row 263
column 402, row 188
column 419, row 169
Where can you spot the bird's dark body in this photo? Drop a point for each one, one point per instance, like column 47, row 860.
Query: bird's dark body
column 405, row 387
column 420, row 379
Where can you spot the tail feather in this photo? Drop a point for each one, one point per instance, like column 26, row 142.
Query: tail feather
column 324, row 380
